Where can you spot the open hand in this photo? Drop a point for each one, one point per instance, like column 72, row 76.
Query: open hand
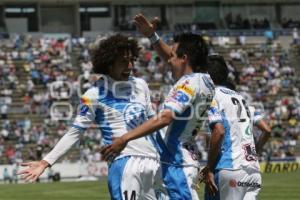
column 144, row 26
column 33, row 171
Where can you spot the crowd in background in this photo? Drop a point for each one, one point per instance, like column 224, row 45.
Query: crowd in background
column 37, row 73
column 238, row 22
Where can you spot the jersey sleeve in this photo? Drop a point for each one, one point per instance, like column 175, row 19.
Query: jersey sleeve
column 181, row 96
column 86, row 114
column 83, row 120
column 63, row 145
column 257, row 117
column 214, row 114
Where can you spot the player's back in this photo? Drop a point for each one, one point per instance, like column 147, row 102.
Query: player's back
column 116, row 108
column 188, row 99
column 238, row 148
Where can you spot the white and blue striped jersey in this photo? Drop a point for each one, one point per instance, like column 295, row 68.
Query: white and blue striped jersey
column 189, row 99
column 238, row 147
column 116, row 108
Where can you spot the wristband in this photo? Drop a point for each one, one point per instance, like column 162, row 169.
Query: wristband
column 154, row 38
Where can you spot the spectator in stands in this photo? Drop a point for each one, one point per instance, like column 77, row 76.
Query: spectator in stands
column 10, row 154
column 295, row 35
column 3, row 110
column 6, row 176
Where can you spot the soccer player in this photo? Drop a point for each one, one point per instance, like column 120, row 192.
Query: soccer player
column 117, row 103
column 184, row 106
column 233, row 170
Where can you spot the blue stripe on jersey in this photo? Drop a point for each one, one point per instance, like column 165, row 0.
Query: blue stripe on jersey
column 105, row 127
column 175, row 182
column 225, row 157
column 83, row 110
column 115, row 174
column 79, row 127
column 111, row 101
column 217, row 196
column 153, row 139
column 171, row 149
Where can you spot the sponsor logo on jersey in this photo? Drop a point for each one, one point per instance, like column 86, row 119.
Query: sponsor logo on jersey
column 248, row 131
column 213, row 111
column 232, row 183
column 187, row 89
column 86, row 101
column 135, row 115
column 214, row 103
column 227, row 91
column 250, row 152
column 181, row 97
column 248, row 184
column 208, row 82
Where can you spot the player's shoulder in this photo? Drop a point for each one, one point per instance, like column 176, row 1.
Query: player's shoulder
column 139, row 82
column 188, row 80
column 93, row 91
column 207, row 81
column 220, row 90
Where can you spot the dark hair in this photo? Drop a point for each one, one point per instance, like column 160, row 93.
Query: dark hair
column 217, row 69
column 108, row 50
column 195, row 48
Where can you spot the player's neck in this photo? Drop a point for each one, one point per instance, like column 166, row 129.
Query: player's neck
column 188, row 70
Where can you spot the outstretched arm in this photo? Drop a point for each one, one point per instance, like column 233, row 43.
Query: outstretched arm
column 36, row 168
column 148, row 29
column 83, row 120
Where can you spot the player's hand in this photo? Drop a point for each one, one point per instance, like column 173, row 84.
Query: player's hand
column 111, row 151
column 33, row 171
column 144, row 26
column 211, row 186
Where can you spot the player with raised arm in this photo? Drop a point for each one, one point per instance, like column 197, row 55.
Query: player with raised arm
column 117, row 103
column 184, row 106
column 232, row 172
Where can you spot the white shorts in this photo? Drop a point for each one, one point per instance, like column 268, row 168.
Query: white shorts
column 142, row 178
column 243, row 184
column 133, row 178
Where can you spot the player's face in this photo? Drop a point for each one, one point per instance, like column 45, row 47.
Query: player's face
column 177, row 64
column 122, row 67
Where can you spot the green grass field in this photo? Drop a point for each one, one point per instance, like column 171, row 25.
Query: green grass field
column 284, row 186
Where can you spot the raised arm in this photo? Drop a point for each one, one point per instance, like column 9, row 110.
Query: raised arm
column 148, row 29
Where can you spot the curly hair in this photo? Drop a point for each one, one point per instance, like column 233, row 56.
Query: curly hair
column 195, row 48
column 108, row 50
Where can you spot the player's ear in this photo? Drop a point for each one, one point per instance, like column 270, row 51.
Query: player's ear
column 185, row 59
